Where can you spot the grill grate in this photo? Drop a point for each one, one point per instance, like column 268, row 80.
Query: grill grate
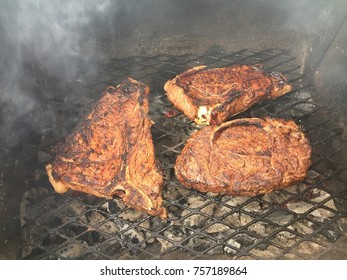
column 300, row 222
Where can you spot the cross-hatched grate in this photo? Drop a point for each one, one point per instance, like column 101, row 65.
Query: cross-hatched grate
column 300, row 222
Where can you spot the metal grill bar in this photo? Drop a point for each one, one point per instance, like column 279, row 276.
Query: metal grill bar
column 300, row 222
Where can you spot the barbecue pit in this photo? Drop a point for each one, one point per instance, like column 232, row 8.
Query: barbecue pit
column 305, row 221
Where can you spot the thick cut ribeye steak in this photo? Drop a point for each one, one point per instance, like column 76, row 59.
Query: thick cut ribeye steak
column 244, row 157
column 211, row 96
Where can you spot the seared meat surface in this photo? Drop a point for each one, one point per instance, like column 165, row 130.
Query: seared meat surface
column 111, row 152
column 211, row 96
column 244, row 157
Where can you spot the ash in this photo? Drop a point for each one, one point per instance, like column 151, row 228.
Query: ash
column 299, row 222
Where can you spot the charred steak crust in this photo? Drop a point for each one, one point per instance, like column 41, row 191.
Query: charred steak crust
column 210, row 96
column 111, row 152
column 244, row 157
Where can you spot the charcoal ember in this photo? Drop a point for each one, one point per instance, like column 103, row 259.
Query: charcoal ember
column 238, row 219
column 299, row 206
column 164, row 244
column 322, row 214
column 297, row 188
column 280, row 217
column 74, row 209
column 277, row 197
column 168, row 175
column 185, row 131
column 217, row 252
column 194, row 220
column 308, row 249
column 152, row 224
column 330, row 235
column 284, row 236
column 131, row 215
column 31, row 232
column 199, row 243
column 175, row 212
column 156, row 224
column 331, row 204
column 260, row 228
column 219, row 231
column 253, row 207
column 244, row 239
column 112, row 248
column 317, row 195
column 31, row 252
column 266, row 251
column 182, row 118
column 52, row 200
column 196, row 201
column 168, row 124
column 177, row 233
column 71, row 250
column 232, row 246
column 229, row 251
column 113, row 206
column 303, row 226
column 93, row 218
column 312, row 174
column 73, row 229
column 134, row 236
column 234, row 201
column 174, row 192
column 303, row 94
column 218, row 228
column 31, row 208
column 146, row 224
column 307, row 107
column 92, row 237
column 210, row 209
column 149, row 240
column 110, row 227
column 342, row 223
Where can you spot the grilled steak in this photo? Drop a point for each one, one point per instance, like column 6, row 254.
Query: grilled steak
column 111, row 152
column 210, row 96
column 244, row 157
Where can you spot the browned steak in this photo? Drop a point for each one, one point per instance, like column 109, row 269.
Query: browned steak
column 210, row 96
column 111, row 152
column 244, row 157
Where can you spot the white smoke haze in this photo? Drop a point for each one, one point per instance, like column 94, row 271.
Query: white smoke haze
column 52, row 38
column 53, row 31
column 42, row 38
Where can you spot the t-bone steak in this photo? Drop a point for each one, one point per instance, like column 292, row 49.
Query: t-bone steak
column 111, row 152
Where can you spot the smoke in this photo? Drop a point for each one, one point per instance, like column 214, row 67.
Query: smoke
column 39, row 40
